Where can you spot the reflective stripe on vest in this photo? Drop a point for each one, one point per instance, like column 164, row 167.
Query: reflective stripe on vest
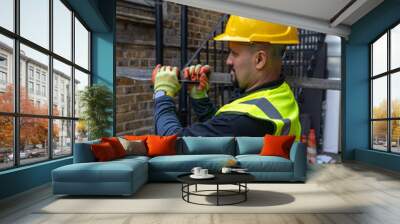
column 271, row 111
column 277, row 105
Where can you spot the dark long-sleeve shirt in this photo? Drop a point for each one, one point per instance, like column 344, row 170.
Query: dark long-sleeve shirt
column 225, row 124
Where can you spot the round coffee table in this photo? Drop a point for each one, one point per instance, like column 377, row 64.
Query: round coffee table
column 238, row 179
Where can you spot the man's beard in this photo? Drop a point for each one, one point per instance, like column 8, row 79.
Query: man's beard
column 234, row 79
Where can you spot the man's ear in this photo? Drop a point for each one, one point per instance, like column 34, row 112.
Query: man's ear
column 261, row 59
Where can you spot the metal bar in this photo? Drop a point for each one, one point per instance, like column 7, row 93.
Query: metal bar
column 246, row 190
column 188, row 192
column 222, row 94
column 369, row 96
column 36, row 116
column 16, row 83
column 159, row 37
column 198, row 58
column 189, row 111
column 389, row 102
column 385, row 119
column 215, row 93
column 183, row 93
column 212, row 34
column 50, row 81
column 215, row 53
column 73, row 81
column 207, row 54
column 159, row 33
column 217, row 194
column 222, row 50
column 225, row 78
column 114, row 74
column 386, row 73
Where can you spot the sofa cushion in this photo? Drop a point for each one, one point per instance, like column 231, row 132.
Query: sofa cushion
column 185, row 163
column 134, row 147
column 161, row 145
column 208, row 145
column 277, row 145
column 133, row 158
column 257, row 163
column 249, row 145
column 103, row 152
column 112, row 171
column 116, row 145
column 135, row 137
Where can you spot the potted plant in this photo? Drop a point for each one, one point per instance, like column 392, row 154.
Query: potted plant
column 96, row 104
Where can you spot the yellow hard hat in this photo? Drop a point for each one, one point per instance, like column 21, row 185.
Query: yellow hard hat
column 243, row 29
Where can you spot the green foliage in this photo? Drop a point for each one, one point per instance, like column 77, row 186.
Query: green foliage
column 96, row 104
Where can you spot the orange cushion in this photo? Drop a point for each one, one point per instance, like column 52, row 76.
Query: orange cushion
column 161, row 145
column 116, row 145
column 277, row 145
column 103, row 151
column 136, row 137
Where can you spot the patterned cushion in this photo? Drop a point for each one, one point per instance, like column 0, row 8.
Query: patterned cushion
column 134, row 147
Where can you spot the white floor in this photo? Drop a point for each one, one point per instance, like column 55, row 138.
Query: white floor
column 377, row 189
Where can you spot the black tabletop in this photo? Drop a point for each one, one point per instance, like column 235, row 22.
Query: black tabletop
column 220, row 178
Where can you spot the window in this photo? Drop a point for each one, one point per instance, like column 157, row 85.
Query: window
column 3, row 71
column 3, row 78
column 81, row 81
column 38, row 89
column 37, row 74
column 62, row 130
column 81, row 45
column 34, row 22
column 43, row 90
column 385, row 97
column 3, row 61
column 7, row 14
column 54, row 126
column 6, row 73
column 30, row 87
column 62, row 29
column 62, row 75
column 6, row 143
column 30, row 72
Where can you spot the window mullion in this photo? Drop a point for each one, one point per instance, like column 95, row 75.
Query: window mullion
column 389, row 106
column 50, row 81
column 371, row 101
column 16, row 84
column 73, row 82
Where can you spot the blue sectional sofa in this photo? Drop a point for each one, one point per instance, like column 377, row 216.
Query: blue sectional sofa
column 125, row 176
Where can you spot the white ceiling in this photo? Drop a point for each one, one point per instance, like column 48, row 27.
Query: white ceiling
column 317, row 15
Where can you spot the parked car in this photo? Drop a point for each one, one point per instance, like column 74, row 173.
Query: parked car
column 10, row 157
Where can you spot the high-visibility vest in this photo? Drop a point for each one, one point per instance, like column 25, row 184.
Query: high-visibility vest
column 277, row 105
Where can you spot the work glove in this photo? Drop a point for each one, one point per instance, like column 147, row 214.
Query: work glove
column 166, row 78
column 198, row 73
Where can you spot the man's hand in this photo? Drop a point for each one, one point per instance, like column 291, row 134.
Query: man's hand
column 198, row 73
column 166, row 78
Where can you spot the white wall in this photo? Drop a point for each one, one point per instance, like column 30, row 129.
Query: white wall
column 332, row 106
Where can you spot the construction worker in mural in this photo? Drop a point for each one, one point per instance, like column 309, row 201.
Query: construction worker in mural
column 266, row 104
